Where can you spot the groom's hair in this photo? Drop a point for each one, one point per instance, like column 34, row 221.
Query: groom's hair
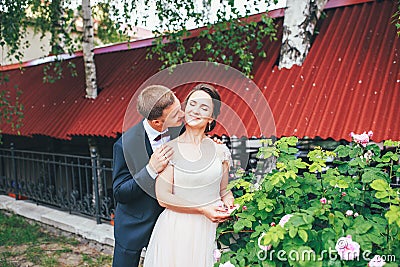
column 153, row 100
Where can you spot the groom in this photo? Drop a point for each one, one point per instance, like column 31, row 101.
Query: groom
column 139, row 155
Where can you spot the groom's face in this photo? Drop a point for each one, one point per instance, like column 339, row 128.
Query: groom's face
column 172, row 115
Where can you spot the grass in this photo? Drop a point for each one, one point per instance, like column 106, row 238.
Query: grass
column 25, row 243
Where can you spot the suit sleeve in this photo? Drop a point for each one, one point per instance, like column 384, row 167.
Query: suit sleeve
column 125, row 186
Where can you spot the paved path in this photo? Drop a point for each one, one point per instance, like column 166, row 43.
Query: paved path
column 81, row 226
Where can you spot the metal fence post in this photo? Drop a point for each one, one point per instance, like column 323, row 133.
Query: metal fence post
column 96, row 185
column 14, row 170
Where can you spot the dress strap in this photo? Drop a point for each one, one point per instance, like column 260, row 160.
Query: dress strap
column 173, row 180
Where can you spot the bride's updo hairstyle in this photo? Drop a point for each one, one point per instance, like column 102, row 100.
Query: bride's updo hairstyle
column 216, row 99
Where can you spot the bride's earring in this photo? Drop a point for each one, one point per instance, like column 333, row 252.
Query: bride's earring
column 209, row 127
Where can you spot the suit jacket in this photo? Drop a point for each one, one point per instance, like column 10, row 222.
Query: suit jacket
column 134, row 190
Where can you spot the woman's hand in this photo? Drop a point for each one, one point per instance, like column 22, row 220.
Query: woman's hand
column 216, row 214
column 228, row 200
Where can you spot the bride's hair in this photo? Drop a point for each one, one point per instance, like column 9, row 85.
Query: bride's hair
column 216, row 99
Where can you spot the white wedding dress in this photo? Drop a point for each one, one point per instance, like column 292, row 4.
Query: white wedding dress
column 188, row 240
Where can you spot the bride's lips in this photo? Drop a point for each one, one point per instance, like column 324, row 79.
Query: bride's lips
column 193, row 118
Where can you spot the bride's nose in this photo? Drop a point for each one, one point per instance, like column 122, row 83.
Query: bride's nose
column 196, row 110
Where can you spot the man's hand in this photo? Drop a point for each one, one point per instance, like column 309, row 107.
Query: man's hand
column 160, row 158
column 215, row 139
column 216, row 214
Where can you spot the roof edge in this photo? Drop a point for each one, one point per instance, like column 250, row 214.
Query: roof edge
column 277, row 13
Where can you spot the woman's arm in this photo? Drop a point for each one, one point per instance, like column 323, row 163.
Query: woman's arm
column 167, row 199
column 226, row 195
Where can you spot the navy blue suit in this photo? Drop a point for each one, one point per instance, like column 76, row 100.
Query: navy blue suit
column 136, row 211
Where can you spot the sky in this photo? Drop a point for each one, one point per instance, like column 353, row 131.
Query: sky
column 153, row 21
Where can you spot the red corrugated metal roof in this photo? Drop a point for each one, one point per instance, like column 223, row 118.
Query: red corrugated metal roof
column 349, row 82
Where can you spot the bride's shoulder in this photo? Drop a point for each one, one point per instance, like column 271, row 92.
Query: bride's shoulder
column 223, row 152
column 222, row 148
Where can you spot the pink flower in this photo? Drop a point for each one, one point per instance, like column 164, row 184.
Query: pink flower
column 217, row 254
column 226, row 264
column 349, row 213
column 355, row 214
column 244, row 208
column 273, row 224
column 377, row 261
column 285, row 219
column 347, row 248
column 344, row 194
column 361, row 139
column 261, row 246
column 323, row 200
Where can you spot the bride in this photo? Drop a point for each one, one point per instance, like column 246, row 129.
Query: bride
column 192, row 189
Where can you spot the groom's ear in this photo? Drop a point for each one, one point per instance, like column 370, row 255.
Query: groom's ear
column 157, row 123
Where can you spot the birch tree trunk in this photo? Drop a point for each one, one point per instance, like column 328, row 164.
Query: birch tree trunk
column 301, row 17
column 88, row 55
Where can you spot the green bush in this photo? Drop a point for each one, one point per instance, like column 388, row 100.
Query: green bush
column 305, row 214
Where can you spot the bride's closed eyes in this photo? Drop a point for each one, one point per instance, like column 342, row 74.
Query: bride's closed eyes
column 204, row 107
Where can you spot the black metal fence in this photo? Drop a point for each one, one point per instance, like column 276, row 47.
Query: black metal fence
column 83, row 185
column 76, row 184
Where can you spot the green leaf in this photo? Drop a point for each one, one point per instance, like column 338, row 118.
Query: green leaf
column 381, row 194
column 308, row 219
column 292, row 232
column 362, row 228
column 393, row 215
column 297, row 221
column 342, row 151
column 327, row 234
column 247, row 223
column 390, row 143
column 368, row 177
column 380, row 185
column 315, row 167
column 238, row 226
column 289, row 192
column 292, row 140
column 388, row 156
column 342, row 184
column 303, row 235
column 300, row 164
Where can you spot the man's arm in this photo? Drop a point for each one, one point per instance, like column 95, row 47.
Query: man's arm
column 125, row 186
